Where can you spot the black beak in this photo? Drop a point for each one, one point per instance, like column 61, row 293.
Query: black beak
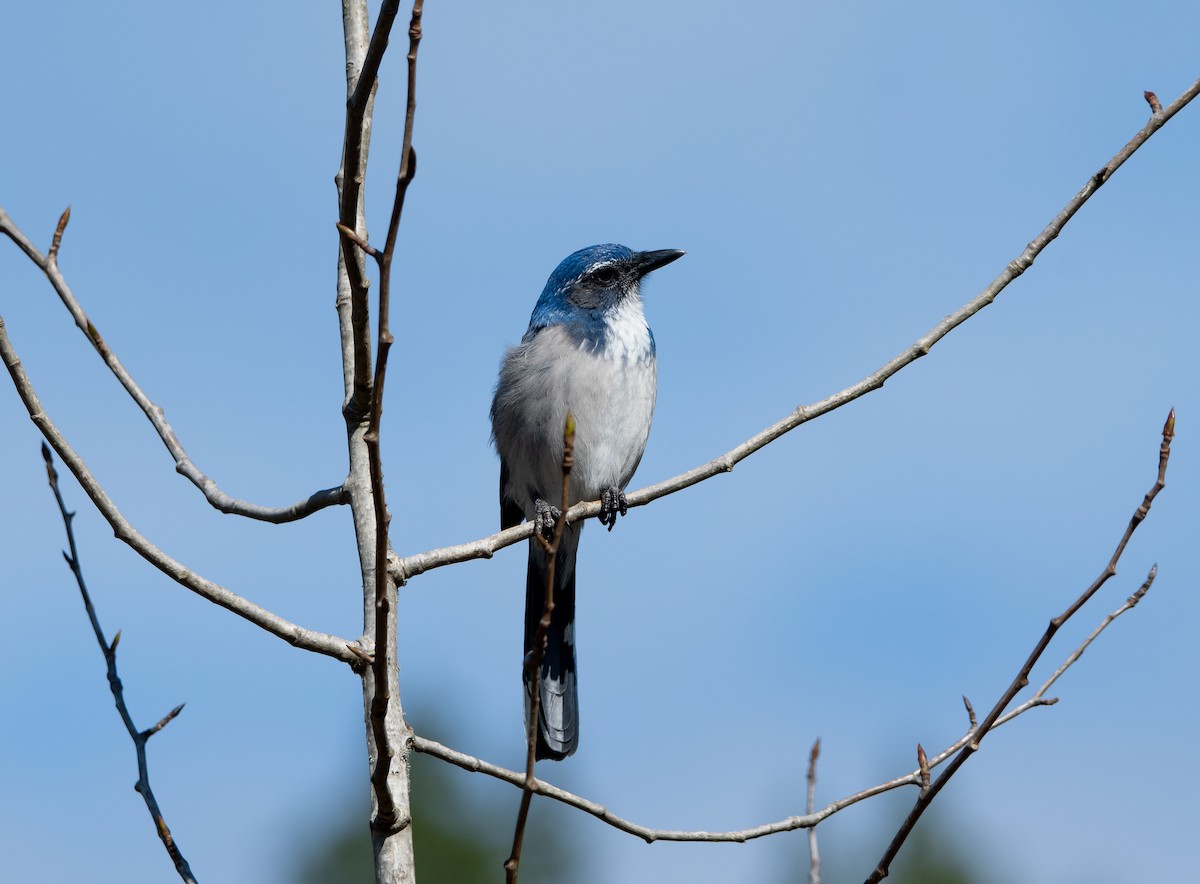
column 645, row 262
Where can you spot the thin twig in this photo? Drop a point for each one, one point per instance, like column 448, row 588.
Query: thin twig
column 184, row 465
column 1078, row 652
column 1039, row 696
column 307, row 639
column 358, row 240
column 403, row 569
column 814, row 854
column 114, row 682
column 533, row 662
column 1022, row 679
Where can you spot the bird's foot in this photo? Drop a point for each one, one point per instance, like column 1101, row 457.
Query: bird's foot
column 544, row 518
column 612, row 504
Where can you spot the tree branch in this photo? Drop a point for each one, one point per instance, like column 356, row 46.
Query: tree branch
column 387, row 733
column 1022, row 679
column 306, row 639
column 114, row 681
column 184, row 465
column 387, row 819
column 403, row 569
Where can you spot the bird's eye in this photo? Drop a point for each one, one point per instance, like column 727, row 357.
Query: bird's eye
column 604, row 276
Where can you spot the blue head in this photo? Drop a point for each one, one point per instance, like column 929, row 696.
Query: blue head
column 591, row 285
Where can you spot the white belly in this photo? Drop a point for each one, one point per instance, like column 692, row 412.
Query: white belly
column 610, row 396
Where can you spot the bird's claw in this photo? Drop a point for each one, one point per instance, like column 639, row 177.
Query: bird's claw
column 612, row 503
column 544, row 518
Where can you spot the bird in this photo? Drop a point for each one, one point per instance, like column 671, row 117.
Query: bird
column 588, row 352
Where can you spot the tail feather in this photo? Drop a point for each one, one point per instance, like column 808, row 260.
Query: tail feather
column 558, row 719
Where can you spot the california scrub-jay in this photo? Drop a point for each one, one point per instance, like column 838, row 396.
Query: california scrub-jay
column 588, row 351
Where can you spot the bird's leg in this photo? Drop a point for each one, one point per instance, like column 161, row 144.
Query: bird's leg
column 544, row 518
column 612, row 503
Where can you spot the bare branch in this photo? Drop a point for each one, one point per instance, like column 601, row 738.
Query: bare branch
column 647, row 834
column 388, row 732
column 391, row 834
column 184, row 465
column 1039, row 696
column 1022, row 679
column 306, row 639
column 533, row 662
column 403, row 569
column 114, row 681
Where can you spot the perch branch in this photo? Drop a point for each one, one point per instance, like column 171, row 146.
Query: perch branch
column 184, row 465
column 408, row 567
column 306, row 639
column 1022, row 679
column 114, row 682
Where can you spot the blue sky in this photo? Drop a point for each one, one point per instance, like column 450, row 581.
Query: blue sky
column 842, row 176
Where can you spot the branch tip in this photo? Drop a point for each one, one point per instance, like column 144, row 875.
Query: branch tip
column 162, row 722
column 970, row 711
column 63, row 220
column 1169, row 427
column 358, row 240
column 1152, row 100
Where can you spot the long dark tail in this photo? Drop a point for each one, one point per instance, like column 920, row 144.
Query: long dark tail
column 558, row 720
